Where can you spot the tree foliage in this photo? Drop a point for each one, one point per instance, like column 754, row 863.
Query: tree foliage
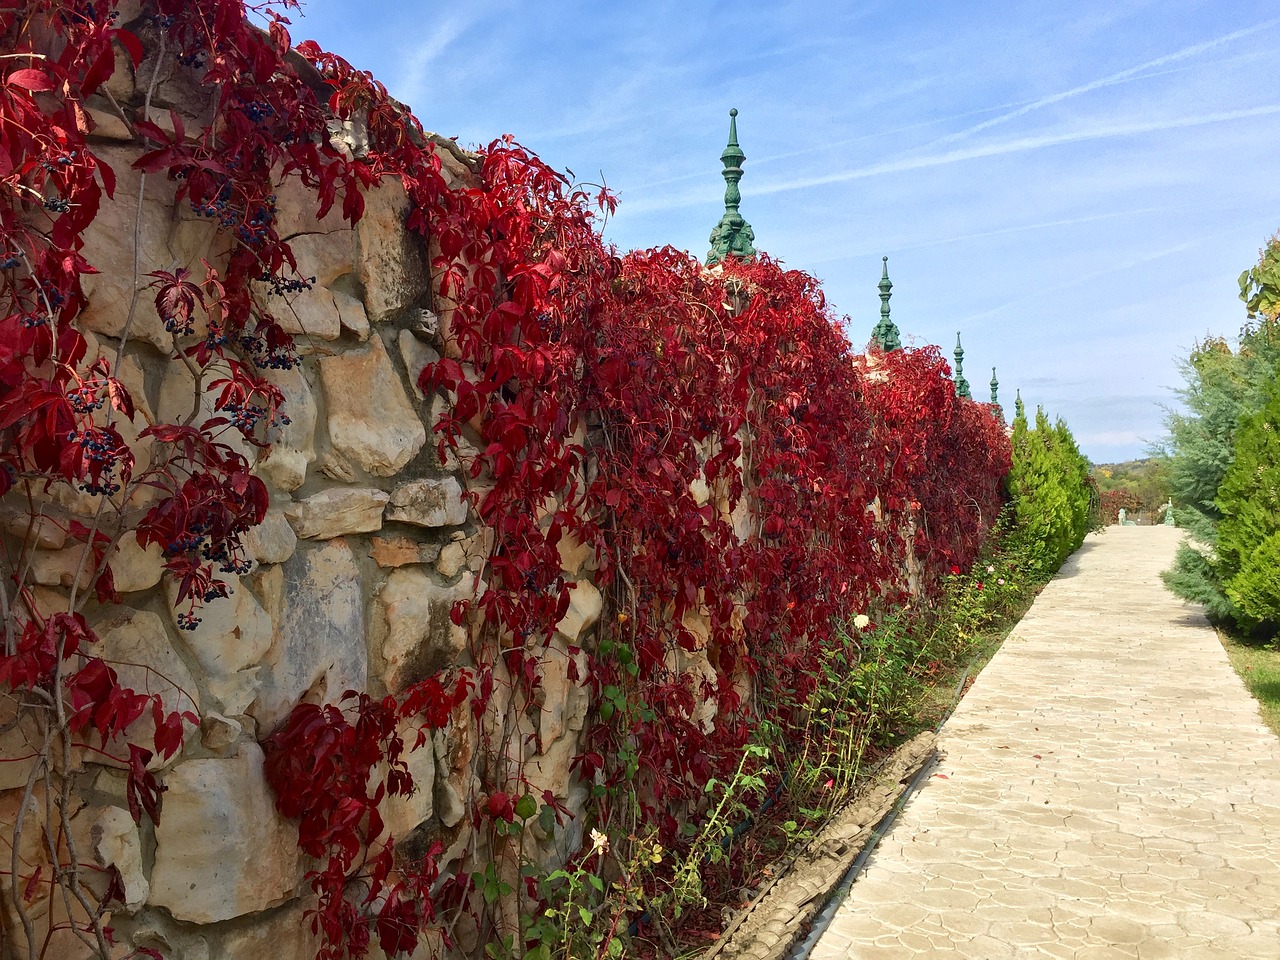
column 1224, row 388
column 1249, row 501
column 1050, row 489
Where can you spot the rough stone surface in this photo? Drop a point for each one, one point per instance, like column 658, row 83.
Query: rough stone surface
column 429, row 503
column 233, row 636
column 319, row 645
column 416, row 355
column 222, row 851
column 273, row 540
column 390, row 261
column 134, row 568
column 292, row 444
column 1108, row 790
column 116, row 843
column 371, row 420
column 136, row 644
column 168, row 240
column 337, row 512
column 418, row 636
column 585, row 605
column 403, row 814
column 401, row 551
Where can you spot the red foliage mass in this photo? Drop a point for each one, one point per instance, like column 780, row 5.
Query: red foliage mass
column 743, row 480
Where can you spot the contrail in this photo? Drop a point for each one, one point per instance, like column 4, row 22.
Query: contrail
column 1021, row 228
column 1183, row 54
column 1016, row 146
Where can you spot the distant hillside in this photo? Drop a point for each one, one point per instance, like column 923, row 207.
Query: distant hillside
column 1140, row 486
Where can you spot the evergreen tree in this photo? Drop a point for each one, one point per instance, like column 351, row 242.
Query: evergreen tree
column 1049, row 489
column 1249, row 531
column 1222, row 388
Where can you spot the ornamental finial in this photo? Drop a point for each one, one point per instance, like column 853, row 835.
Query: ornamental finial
column 995, row 387
column 962, row 385
column 885, row 334
column 732, row 236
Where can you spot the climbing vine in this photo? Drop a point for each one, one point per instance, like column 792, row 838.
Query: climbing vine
column 737, row 475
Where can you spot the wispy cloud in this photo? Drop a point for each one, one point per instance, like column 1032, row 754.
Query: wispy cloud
column 1019, row 145
column 1020, row 228
column 1123, row 76
column 412, row 80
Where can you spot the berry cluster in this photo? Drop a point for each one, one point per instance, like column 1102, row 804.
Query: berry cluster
column 245, row 416
column 188, row 621
column 256, row 229
column 9, row 261
column 84, row 399
column 282, row 286
column 266, row 357
column 178, row 326
column 257, row 110
column 217, row 206
column 65, row 160
column 57, row 205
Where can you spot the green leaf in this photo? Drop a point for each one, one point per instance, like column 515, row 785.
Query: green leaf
column 526, row 807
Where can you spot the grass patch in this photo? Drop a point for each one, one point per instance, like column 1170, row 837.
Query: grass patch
column 1259, row 667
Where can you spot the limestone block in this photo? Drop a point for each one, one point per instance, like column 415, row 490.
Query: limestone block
column 107, row 125
column 429, row 503
column 585, row 606
column 170, row 237
column 292, row 443
column 402, row 814
column 45, row 531
column 136, row 644
column 19, row 743
column 281, row 934
column 61, row 568
column 371, row 420
column 337, row 512
column 390, row 261
column 296, row 209
column 319, row 645
column 116, row 844
column 179, row 395
column 418, row 636
column 233, row 636
column 463, row 552
column 46, row 908
column 305, row 313
column 351, row 314
column 416, row 355
column 134, row 568
column 327, row 255
column 222, row 850
column 273, row 540
column 401, row 551
column 219, row 734
column 121, row 83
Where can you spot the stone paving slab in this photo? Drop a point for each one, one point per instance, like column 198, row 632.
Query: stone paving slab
column 1108, row 790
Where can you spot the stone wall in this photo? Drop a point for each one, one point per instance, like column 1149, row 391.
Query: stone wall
column 366, row 547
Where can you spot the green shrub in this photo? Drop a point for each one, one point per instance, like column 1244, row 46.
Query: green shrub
column 1249, row 532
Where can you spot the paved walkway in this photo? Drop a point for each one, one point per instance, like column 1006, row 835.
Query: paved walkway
column 1107, row 790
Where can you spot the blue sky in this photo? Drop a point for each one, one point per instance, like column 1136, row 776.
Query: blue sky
column 1075, row 187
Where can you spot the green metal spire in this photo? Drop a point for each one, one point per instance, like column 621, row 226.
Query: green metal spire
column 885, row 335
column 1017, row 404
column 732, row 236
column 962, row 385
column 995, row 387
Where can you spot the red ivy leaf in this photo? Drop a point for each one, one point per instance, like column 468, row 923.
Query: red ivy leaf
column 29, row 78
